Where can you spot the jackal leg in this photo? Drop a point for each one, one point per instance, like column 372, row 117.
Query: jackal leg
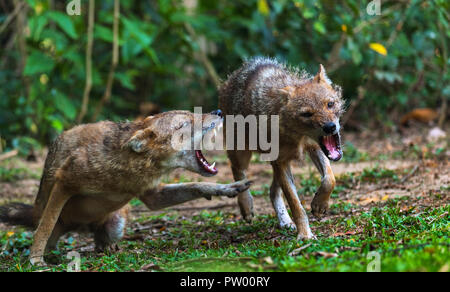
column 283, row 176
column 280, row 208
column 239, row 163
column 319, row 204
column 169, row 195
column 55, row 204
column 109, row 231
column 52, row 243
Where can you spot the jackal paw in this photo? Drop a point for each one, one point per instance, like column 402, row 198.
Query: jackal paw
column 248, row 217
column 306, row 235
column 319, row 207
column 288, row 225
column 38, row 261
column 234, row 189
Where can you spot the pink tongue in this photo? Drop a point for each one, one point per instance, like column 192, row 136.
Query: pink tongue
column 330, row 144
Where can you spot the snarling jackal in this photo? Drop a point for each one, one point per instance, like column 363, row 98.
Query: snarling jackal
column 92, row 171
column 309, row 108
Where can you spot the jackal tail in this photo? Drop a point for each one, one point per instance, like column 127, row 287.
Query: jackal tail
column 17, row 214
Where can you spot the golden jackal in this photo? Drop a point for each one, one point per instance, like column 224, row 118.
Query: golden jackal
column 309, row 109
column 92, row 171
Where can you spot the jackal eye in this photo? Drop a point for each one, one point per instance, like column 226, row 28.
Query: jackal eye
column 330, row 104
column 307, row 114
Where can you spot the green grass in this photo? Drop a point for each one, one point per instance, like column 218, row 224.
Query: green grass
column 406, row 238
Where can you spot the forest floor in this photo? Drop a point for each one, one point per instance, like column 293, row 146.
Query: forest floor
column 390, row 209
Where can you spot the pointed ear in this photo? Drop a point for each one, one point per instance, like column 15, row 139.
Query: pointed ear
column 286, row 92
column 139, row 141
column 322, row 75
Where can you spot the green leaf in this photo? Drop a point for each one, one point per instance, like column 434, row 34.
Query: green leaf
column 38, row 62
column 64, row 22
column 319, row 27
column 36, row 25
column 65, row 105
column 103, row 33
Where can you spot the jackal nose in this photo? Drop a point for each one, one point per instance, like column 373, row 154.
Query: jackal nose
column 217, row 113
column 329, row 128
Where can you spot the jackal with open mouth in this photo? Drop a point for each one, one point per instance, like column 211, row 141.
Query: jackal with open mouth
column 92, row 171
column 309, row 108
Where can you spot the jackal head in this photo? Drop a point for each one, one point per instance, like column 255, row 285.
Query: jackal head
column 313, row 108
column 173, row 140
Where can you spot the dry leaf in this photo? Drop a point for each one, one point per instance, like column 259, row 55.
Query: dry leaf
column 297, row 251
column 327, row 255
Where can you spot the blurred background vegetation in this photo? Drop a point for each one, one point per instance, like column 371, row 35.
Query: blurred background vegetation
column 120, row 59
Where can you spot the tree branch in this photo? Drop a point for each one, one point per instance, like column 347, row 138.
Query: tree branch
column 11, row 16
column 115, row 60
column 90, row 42
column 203, row 57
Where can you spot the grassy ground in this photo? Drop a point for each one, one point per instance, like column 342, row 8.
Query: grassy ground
column 391, row 206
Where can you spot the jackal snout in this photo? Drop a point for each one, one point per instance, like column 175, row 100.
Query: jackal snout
column 329, row 128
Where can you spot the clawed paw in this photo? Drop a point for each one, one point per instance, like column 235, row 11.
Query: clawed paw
column 38, row 261
column 319, row 208
column 306, row 236
column 288, row 225
column 234, row 189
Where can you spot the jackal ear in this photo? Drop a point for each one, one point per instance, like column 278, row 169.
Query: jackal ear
column 322, row 76
column 286, row 92
column 139, row 141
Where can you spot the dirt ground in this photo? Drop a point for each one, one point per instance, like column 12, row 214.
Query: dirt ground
column 421, row 173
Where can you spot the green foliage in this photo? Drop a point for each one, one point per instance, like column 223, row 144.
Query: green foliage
column 398, row 57
column 216, row 241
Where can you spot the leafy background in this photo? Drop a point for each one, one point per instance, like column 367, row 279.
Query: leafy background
column 173, row 53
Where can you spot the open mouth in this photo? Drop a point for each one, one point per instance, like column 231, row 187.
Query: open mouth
column 204, row 164
column 331, row 146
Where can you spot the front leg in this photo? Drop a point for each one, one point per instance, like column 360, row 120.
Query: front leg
column 283, row 175
column 173, row 194
column 319, row 204
column 58, row 198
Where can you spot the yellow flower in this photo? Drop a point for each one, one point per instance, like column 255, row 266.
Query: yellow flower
column 43, row 79
column 263, row 7
column 38, row 8
column 379, row 48
column 9, row 234
column 344, row 28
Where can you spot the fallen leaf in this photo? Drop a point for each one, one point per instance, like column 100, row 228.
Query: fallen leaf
column 297, row 251
column 327, row 255
column 268, row 260
column 444, row 269
column 151, row 267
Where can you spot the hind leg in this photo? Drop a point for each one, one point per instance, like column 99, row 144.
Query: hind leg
column 280, row 208
column 108, row 232
column 239, row 163
column 52, row 243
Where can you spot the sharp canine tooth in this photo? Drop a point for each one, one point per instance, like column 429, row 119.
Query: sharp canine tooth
column 213, row 165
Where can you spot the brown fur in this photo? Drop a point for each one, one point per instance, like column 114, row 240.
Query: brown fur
column 263, row 86
column 92, row 171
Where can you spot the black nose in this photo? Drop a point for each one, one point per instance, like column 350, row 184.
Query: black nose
column 329, row 128
column 217, row 113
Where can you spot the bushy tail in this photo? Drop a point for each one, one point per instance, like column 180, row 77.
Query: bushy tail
column 17, row 214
